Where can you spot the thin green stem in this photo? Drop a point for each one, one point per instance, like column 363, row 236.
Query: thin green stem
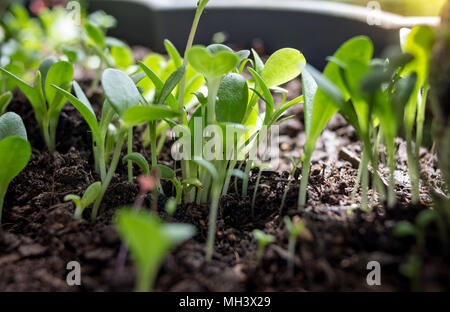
column 109, row 176
column 78, row 212
column 246, row 179
column 101, row 159
column 185, row 163
column 152, row 129
column 145, row 281
column 413, row 170
column 129, row 151
column 255, row 192
column 304, row 181
column 365, row 181
column 212, row 221
column 358, row 178
column 213, row 88
column 391, row 189
column 420, row 120
column 46, row 134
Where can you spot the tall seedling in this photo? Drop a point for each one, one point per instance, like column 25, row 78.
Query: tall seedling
column 47, row 103
column 15, row 151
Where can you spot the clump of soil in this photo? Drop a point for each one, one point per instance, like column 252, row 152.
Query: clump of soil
column 39, row 235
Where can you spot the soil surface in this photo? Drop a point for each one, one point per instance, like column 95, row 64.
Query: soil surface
column 39, row 235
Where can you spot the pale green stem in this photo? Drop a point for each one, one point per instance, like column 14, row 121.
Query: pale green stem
column 145, row 281
column 185, row 163
column 304, row 182
column 365, row 180
column 391, row 190
column 152, row 128
column 109, row 176
column 358, row 177
column 255, row 192
column 248, row 167
column 413, row 171
column 46, row 134
column 283, row 199
column 101, row 159
column 212, row 221
column 213, row 88
column 78, row 212
column 129, row 151
column 420, row 120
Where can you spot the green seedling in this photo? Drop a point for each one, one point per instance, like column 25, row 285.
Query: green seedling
column 263, row 240
column 388, row 105
column 412, row 270
column 15, row 151
column 418, row 43
column 149, row 240
column 46, row 102
column 423, row 220
column 216, row 186
column 294, row 228
column 89, row 196
column 325, row 95
column 255, row 192
column 122, row 96
column 292, row 175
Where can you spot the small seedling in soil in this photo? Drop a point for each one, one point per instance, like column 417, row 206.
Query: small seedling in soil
column 15, row 151
column 419, row 43
column 149, row 241
column 255, row 192
column 423, row 220
column 294, row 227
column 89, row 196
column 46, row 102
column 324, row 97
column 263, row 240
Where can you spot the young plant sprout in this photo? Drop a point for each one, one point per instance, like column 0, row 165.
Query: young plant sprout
column 292, row 174
column 255, row 192
column 325, row 95
column 46, row 102
column 423, row 220
column 149, row 241
column 122, row 96
column 419, row 43
column 15, row 151
column 294, row 228
column 263, row 240
column 89, row 196
column 388, row 106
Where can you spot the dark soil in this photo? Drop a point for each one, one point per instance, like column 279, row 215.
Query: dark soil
column 39, row 235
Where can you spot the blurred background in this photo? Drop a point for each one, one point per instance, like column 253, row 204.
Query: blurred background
column 402, row 7
column 316, row 27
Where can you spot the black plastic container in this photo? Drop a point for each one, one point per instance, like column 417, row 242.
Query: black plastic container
column 316, row 28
